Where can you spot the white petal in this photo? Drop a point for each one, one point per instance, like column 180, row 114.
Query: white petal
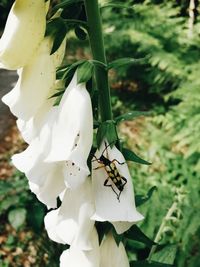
column 46, row 179
column 24, row 30
column 108, row 206
column 72, row 222
column 72, row 131
column 30, row 129
column 34, row 86
column 59, row 54
column 73, row 257
column 111, row 254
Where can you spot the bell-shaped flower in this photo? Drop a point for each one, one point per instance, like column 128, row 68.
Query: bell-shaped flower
column 72, row 132
column 74, row 257
column 35, row 84
column 113, row 189
column 30, row 129
column 24, row 30
column 71, row 224
column 111, row 254
column 46, row 179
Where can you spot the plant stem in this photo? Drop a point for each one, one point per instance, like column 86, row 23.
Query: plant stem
column 162, row 226
column 98, row 52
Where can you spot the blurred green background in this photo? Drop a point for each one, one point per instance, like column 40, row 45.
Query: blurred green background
column 168, row 85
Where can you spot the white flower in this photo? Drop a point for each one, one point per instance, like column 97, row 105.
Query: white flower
column 112, row 255
column 71, row 222
column 46, row 179
column 115, row 204
column 24, row 30
column 72, row 132
column 35, row 84
column 30, row 129
column 74, row 257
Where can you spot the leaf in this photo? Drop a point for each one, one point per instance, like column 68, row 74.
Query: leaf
column 8, row 202
column 134, row 233
column 85, row 72
column 141, row 199
column 131, row 115
column 17, row 217
column 166, row 254
column 57, row 29
column 80, row 33
column 131, row 156
column 148, row 264
column 60, row 92
column 127, row 61
column 65, row 4
column 58, row 39
column 107, row 130
column 102, row 228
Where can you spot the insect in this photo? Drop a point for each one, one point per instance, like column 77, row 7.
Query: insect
column 117, row 181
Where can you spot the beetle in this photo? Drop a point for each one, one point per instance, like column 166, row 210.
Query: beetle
column 117, row 181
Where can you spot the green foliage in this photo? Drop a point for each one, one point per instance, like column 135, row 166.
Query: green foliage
column 18, row 203
column 168, row 84
column 25, row 214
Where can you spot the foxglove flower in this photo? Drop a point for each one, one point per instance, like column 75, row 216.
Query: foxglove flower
column 72, row 132
column 34, row 85
column 71, row 222
column 24, row 30
column 113, row 205
column 30, row 129
column 111, row 254
column 74, row 257
column 46, row 179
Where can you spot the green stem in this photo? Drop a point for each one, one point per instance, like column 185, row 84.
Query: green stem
column 162, row 226
column 98, row 52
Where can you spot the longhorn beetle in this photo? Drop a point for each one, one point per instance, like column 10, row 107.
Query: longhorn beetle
column 113, row 174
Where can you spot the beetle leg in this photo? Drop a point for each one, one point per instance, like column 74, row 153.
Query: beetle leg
column 110, row 185
column 99, row 167
column 115, row 160
column 125, row 180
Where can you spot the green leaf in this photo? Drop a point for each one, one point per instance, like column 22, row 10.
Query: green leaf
column 57, row 29
column 58, row 39
column 102, row 228
column 85, row 72
column 80, row 33
column 134, row 233
column 8, row 202
column 60, row 92
column 141, row 199
column 17, row 217
column 165, row 255
column 107, row 130
column 98, row 63
column 148, row 264
column 131, row 156
column 65, row 4
column 131, row 115
column 121, row 62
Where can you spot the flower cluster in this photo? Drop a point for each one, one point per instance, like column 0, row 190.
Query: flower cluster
column 59, row 142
